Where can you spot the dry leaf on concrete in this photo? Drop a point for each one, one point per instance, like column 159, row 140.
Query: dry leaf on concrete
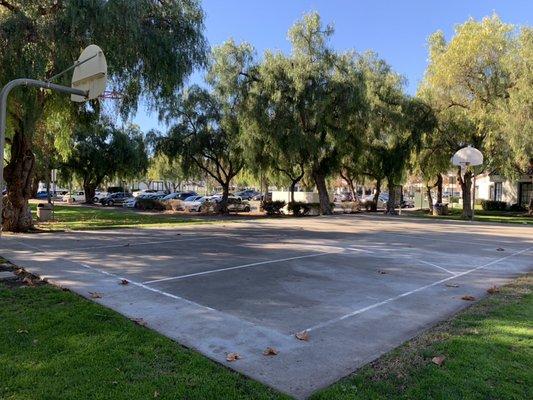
column 233, row 357
column 124, row 282
column 303, row 335
column 468, row 298
column 270, row 351
column 452, row 285
column 95, row 295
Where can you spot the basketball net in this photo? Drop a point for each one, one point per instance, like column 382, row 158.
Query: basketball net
column 109, row 101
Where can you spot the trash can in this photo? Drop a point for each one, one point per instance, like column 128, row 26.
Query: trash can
column 44, row 211
column 440, row 209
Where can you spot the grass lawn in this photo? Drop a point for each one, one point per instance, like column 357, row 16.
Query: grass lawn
column 57, row 345
column 480, row 215
column 67, row 217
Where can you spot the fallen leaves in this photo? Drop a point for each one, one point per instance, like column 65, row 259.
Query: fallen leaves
column 28, row 281
column 95, row 295
column 494, row 289
column 233, row 357
column 270, row 351
column 468, row 298
column 124, row 282
column 22, row 331
column 438, row 360
column 303, row 335
column 139, row 321
column 500, row 249
column 380, row 271
column 452, row 285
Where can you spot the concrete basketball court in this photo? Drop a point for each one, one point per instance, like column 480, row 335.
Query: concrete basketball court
column 360, row 285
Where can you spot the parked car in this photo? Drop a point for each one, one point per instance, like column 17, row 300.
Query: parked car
column 235, row 203
column 343, row 197
column 179, row 195
column 247, row 194
column 147, row 191
column 41, row 195
column 99, row 195
column 195, row 203
column 115, row 199
column 260, row 196
column 75, row 196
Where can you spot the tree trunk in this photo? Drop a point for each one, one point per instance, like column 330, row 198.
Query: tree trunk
column 391, row 202
column 223, row 205
column 34, row 186
column 439, row 188
column 320, row 181
column 19, row 176
column 292, row 189
column 466, row 187
column 430, row 198
column 374, row 206
column 90, row 191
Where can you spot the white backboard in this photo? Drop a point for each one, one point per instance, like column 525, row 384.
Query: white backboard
column 91, row 73
column 467, row 156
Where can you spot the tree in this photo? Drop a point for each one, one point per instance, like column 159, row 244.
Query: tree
column 395, row 126
column 150, row 48
column 167, row 169
column 308, row 105
column 206, row 126
column 469, row 82
column 100, row 150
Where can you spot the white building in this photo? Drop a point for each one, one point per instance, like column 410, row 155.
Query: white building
column 491, row 186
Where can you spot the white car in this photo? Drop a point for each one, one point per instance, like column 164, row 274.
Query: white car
column 195, row 203
column 75, row 197
column 147, row 191
column 99, row 196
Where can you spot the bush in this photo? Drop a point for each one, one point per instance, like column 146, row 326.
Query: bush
column 273, row 207
column 149, row 204
column 517, row 208
column 350, row 207
column 174, row 205
column 298, row 208
column 454, row 199
column 493, row 205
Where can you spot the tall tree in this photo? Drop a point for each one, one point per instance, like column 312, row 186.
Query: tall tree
column 206, row 126
column 150, row 47
column 312, row 102
column 167, row 169
column 100, row 150
column 469, row 81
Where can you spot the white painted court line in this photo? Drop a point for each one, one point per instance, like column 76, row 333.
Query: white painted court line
column 119, row 278
column 436, row 266
column 496, row 242
column 213, row 271
column 391, row 299
column 133, row 244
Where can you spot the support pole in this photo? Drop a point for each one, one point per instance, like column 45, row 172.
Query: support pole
column 3, row 119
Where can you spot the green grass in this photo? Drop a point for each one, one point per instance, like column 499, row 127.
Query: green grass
column 83, row 218
column 56, row 345
column 488, row 350
column 479, row 215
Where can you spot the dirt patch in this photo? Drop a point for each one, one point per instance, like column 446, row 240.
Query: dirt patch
column 20, row 276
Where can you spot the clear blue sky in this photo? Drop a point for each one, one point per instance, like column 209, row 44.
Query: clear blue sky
column 396, row 29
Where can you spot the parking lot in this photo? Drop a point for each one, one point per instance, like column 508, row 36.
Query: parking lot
column 360, row 285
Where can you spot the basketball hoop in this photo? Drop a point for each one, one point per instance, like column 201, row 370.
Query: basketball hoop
column 110, row 95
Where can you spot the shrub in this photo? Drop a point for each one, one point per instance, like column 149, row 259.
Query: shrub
column 150, row 204
column 174, row 205
column 493, row 205
column 298, row 208
column 350, row 207
column 517, row 208
column 273, row 207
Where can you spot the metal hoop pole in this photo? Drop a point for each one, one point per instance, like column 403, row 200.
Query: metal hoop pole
column 3, row 119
